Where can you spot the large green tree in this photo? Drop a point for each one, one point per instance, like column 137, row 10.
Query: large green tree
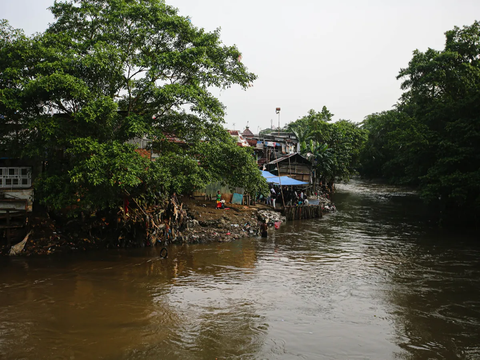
column 109, row 71
column 393, row 148
column 443, row 94
column 432, row 139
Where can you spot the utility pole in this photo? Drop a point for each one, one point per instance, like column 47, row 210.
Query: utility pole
column 277, row 111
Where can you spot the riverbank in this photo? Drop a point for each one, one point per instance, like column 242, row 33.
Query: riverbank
column 201, row 223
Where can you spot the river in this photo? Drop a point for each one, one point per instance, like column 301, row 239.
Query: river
column 375, row 280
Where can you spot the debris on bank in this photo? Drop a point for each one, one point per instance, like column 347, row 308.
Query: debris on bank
column 271, row 216
column 18, row 248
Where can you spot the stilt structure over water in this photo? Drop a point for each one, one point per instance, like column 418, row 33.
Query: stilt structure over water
column 302, row 212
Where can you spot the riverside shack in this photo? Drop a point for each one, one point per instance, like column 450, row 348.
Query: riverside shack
column 294, row 166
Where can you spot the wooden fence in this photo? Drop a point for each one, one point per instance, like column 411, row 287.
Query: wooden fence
column 302, row 212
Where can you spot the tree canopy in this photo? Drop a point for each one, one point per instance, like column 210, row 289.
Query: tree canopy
column 432, row 138
column 333, row 147
column 105, row 73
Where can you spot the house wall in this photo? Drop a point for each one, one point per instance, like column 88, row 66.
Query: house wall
column 297, row 171
column 15, row 177
column 292, row 168
column 22, row 194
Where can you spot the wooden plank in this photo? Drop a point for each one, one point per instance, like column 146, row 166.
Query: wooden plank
column 14, row 215
column 11, row 226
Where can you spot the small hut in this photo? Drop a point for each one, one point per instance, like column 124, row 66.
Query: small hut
column 294, row 166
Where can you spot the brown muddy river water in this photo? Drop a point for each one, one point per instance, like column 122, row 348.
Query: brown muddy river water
column 373, row 281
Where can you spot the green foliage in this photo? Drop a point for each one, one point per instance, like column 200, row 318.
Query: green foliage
column 444, row 96
column 222, row 158
column 346, row 140
column 106, row 72
column 394, row 142
column 333, row 147
column 433, row 138
column 14, row 64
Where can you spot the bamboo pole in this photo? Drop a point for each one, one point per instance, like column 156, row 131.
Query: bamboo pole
column 303, row 212
column 279, row 179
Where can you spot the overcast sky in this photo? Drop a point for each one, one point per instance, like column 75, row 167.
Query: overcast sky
column 343, row 54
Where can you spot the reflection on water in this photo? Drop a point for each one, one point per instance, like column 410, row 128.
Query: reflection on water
column 373, row 281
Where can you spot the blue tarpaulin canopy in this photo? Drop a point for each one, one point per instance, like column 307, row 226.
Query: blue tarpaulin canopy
column 282, row 180
column 272, row 180
column 267, row 174
column 287, row 181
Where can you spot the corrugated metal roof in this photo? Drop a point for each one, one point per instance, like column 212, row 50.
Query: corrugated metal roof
column 305, row 160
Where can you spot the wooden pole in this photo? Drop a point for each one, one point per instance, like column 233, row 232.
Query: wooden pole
column 8, row 227
column 279, row 180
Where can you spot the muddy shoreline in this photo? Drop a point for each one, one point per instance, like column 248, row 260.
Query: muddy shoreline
column 201, row 223
column 204, row 224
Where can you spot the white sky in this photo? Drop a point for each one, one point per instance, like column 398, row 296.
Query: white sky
column 343, row 54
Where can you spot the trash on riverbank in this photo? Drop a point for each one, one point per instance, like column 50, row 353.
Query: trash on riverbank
column 18, row 248
column 272, row 217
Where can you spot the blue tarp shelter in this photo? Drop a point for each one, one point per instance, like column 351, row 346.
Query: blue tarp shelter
column 267, row 174
column 287, row 181
column 282, row 180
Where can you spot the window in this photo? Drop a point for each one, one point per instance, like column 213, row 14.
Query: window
column 15, row 177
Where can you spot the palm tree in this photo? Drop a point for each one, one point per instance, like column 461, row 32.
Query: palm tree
column 322, row 157
column 303, row 135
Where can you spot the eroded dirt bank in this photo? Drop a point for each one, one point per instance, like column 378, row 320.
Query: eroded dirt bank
column 189, row 221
